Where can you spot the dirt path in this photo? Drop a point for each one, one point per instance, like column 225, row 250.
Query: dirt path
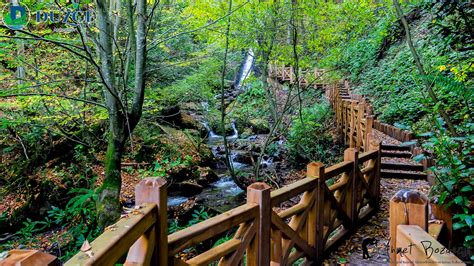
column 350, row 251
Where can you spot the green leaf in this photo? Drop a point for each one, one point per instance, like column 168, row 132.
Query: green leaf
column 442, row 197
column 459, row 200
column 457, row 226
column 419, row 158
column 408, row 143
column 426, row 135
column 466, row 188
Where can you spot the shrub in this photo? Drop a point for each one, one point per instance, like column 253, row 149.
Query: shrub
column 310, row 139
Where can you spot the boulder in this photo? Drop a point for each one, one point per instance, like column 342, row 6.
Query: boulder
column 259, row 126
column 186, row 188
column 207, row 176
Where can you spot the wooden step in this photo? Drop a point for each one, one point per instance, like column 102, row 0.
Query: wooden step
column 396, row 154
column 401, row 166
column 390, row 147
column 403, row 175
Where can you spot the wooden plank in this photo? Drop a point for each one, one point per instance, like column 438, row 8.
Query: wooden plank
column 369, row 155
column 29, row 258
column 213, row 226
column 286, row 230
column 340, row 211
column 215, row 253
column 333, row 239
column 293, row 210
column 338, row 169
column 112, row 245
column 276, row 250
column 247, row 234
column 435, row 227
column 422, row 249
column 292, row 190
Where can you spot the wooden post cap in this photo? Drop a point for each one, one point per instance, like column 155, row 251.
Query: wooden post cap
column 147, row 190
column 258, row 186
column 312, row 169
column 409, row 196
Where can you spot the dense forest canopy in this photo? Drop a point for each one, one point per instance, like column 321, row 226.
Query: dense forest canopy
column 96, row 95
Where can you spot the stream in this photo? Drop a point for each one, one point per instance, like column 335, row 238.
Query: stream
column 224, row 194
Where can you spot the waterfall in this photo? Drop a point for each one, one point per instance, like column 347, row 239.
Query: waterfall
column 246, row 69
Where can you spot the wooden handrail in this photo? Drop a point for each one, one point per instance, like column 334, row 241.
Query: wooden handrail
column 110, row 246
column 292, row 190
column 199, row 232
column 419, row 247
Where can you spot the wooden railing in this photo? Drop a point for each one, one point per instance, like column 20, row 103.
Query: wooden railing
column 410, row 242
column 267, row 230
column 355, row 120
column 305, row 77
column 353, row 115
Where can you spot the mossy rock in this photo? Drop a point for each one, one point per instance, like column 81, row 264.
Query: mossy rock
column 259, row 126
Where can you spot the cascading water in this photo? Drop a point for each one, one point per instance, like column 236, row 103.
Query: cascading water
column 246, row 69
column 224, row 193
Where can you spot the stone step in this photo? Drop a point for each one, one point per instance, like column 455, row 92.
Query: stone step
column 396, row 154
column 390, row 147
column 403, row 175
column 401, row 166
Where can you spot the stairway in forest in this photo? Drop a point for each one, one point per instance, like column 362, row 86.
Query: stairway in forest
column 396, row 158
column 397, row 163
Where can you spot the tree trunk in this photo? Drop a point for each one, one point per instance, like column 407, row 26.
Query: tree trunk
column 108, row 205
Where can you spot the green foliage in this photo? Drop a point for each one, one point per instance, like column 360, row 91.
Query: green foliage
column 250, row 105
column 161, row 168
column 311, row 139
column 453, row 171
column 77, row 218
column 197, row 217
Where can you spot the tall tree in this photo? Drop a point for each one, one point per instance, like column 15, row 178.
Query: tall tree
column 121, row 120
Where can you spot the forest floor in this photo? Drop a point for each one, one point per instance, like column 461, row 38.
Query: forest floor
column 350, row 251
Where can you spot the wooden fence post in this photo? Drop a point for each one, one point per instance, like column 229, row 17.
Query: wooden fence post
column 314, row 170
column 352, row 125
column 320, row 209
column 374, row 145
column 259, row 252
column 406, row 207
column 369, row 122
column 352, row 155
column 358, row 124
column 152, row 247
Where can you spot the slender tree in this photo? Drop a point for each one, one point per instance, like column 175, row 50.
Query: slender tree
column 421, row 69
column 121, row 121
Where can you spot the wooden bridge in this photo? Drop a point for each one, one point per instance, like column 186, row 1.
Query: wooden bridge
column 306, row 78
column 302, row 221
